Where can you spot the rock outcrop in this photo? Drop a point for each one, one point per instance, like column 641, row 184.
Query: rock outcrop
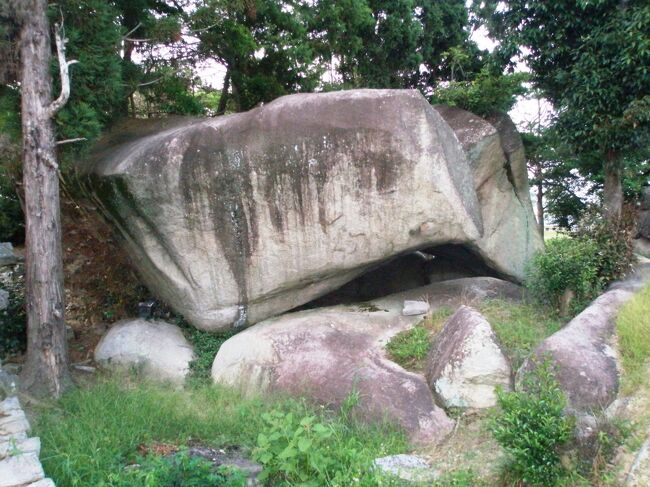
column 234, row 219
column 156, row 349
column 583, row 352
column 498, row 164
column 466, row 364
column 19, row 463
column 329, row 353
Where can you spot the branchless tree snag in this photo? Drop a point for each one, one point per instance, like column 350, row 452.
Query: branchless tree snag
column 46, row 368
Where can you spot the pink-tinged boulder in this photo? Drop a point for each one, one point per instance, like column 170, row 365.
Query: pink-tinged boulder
column 583, row 352
column 328, row 354
column 466, row 364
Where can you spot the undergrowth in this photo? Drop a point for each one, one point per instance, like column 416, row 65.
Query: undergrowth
column 410, row 347
column 633, row 327
column 92, row 434
column 520, row 327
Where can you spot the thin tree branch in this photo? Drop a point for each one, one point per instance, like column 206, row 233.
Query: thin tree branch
column 125, row 36
column 69, row 141
column 57, row 104
column 150, row 82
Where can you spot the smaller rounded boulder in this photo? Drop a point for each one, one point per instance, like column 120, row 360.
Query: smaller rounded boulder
column 157, row 349
column 466, row 364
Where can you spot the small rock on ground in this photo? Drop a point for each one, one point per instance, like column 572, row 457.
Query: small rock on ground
column 410, row 468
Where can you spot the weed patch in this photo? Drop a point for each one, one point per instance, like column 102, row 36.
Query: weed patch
column 633, row 327
column 92, row 434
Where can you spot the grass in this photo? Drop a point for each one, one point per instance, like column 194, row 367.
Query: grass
column 519, row 327
column 206, row 345
column 410, row 348
column 93, row 433
column 633, row 327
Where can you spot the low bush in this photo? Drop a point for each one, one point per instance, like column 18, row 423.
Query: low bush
column 597, row 253
column 206, row 345
column 532, row 427
column 568, row 263
column 633, row 328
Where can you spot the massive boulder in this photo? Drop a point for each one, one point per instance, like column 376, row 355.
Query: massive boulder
column 234, row 219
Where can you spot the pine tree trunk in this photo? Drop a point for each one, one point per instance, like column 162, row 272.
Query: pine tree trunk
column 46, row 368
column 612, row 190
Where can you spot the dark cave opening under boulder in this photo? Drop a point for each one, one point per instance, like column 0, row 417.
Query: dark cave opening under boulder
column 408, row 271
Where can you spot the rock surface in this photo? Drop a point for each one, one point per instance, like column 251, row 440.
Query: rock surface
column 583, row 351
column 411, row 468
column 19, row 463
column 326, row 354
column 234, row 219
column 498, row 163
column 643, row 225
column 158, row 349
column 466, row 364
column 7, row 256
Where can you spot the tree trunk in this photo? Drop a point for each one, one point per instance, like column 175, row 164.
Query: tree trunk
column 46, row 368
column 537, row 173
column 612, row 190
column 540, row 209
column 223, row 99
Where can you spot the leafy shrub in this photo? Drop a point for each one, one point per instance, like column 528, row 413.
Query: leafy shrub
column 13, row 319
column 569, row 263
column 633, row 328
column 597, row 253
column 613, row 241
column 531, row 427
column 178, row 470
column 311, row 452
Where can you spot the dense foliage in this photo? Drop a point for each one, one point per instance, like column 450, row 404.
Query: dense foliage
column 531, row 427
column 597, row 253
column 590, row 58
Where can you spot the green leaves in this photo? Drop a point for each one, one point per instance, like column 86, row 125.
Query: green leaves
column 532, row 428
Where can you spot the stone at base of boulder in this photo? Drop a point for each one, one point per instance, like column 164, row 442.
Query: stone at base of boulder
column 466, row 364
column 157, row 349
column 411, row 468
column 641, row 246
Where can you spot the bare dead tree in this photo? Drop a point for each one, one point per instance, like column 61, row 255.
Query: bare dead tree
column 46, row 370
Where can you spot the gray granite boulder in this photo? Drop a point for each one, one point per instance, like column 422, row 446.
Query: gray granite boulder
column 234, row 219
column 466, row 364
column 157, row 349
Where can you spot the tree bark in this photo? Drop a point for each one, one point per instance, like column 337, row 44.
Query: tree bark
column 613, row 189
column 46, row 367
column 223, row 99
column 540, row 209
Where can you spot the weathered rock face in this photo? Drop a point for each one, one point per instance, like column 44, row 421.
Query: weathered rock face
column 326, row 354
column 235, row 219
column 158, row 349
column 466, row 364
column 583, row 352
column 498, row 163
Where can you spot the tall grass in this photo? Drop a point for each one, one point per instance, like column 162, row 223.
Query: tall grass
column 92, row 433
column 633, row 327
